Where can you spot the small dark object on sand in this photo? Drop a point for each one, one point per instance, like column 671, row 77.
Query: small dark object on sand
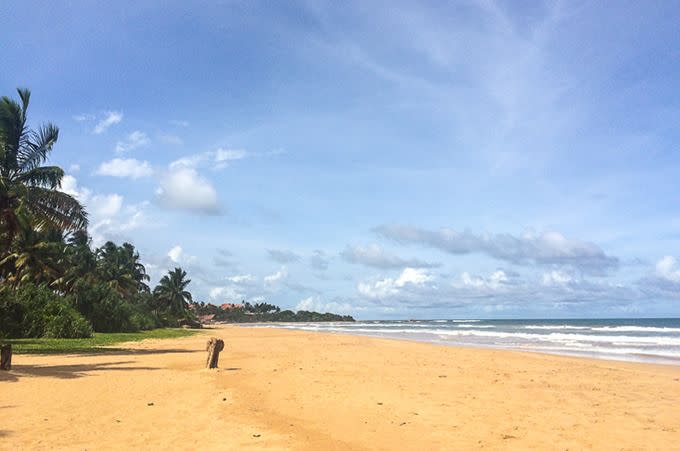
column 6, row 357
column 149, row 404
column 214, row 347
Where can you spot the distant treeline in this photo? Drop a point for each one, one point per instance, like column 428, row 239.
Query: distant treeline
column 262, row 312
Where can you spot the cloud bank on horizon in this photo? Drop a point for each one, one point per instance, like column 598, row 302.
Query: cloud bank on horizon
column 405, row 160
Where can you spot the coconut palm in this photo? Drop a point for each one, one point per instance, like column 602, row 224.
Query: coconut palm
column 80, row 262
column 27, row 188
column 120, row 268
column 171, row 291
column 35, row 257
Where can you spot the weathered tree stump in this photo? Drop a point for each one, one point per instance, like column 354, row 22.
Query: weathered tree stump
column 214, row 346
column 6, row 357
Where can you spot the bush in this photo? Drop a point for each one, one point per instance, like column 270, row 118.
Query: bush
column 109, row 312
column 33, row 311
column 63, row 321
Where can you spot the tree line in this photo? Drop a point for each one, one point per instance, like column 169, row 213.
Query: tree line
column 52, row 282
column 263, row 312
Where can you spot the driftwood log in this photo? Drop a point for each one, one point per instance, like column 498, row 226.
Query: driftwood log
column 6, row 357
column 214, row 347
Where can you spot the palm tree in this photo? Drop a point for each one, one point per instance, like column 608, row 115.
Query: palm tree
column 120, row 268
column 28, row 189
column 35, row 257
column 171, row 290
column 79, row 262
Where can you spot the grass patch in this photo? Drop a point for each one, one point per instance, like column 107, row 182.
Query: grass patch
column 89, row 345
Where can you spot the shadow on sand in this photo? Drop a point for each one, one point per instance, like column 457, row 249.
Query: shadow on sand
column 67, row 371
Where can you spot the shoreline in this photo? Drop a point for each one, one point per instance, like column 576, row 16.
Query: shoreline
column 283, row 389
column 641, row 360
column 607, row 339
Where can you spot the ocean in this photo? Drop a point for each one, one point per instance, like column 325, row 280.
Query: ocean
column 646, row 340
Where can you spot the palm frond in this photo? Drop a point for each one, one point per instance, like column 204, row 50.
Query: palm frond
column 35, row 151
column 56, row 209
column 13, row 132
column 45, row 176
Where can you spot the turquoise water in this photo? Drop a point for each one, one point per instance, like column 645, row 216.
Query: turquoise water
column 649, row 340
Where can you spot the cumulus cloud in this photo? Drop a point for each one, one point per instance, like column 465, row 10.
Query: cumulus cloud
column 388, row 287
column 283, row 255
column 375, row 256
column 550, row 248
column 132, row 141
column 667, row 268
column 184, row 188
column 110, row 118
column 110, row 218
column 556, row 278
column 664, row 282
column 125, row 167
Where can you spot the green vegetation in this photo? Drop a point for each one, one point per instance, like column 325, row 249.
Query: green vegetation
column 53, row 284
column 263, row 313
column 95, row 344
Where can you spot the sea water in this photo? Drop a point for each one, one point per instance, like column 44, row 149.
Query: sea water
column 650, row 340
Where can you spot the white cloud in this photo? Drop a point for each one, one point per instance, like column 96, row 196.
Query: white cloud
column 105, row 205
column 278, row 276
column 133, row 141
column 556, row 278
column 389, row 287
column 241, row 278
column 74, row 168
column 111, row 118
column 224, row 156
column 175, row 254
column 69, row 185
column 375, row 256
column 667, row 269
column 84, row 117
column 184, row 188
column 226, row 293
column 217, row 159
column 110, row 218
column 315, row 304
column 125, row 167
column 494, row 281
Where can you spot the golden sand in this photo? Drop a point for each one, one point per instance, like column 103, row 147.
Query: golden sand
column 281, row 389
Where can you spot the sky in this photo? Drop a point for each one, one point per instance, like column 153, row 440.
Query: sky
column 462, row 159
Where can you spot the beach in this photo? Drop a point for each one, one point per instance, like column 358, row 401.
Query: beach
column 285, row 389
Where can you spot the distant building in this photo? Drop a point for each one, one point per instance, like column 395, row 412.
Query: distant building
column 230, row 306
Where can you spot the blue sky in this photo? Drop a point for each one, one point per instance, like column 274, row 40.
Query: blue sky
column 383, row 159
